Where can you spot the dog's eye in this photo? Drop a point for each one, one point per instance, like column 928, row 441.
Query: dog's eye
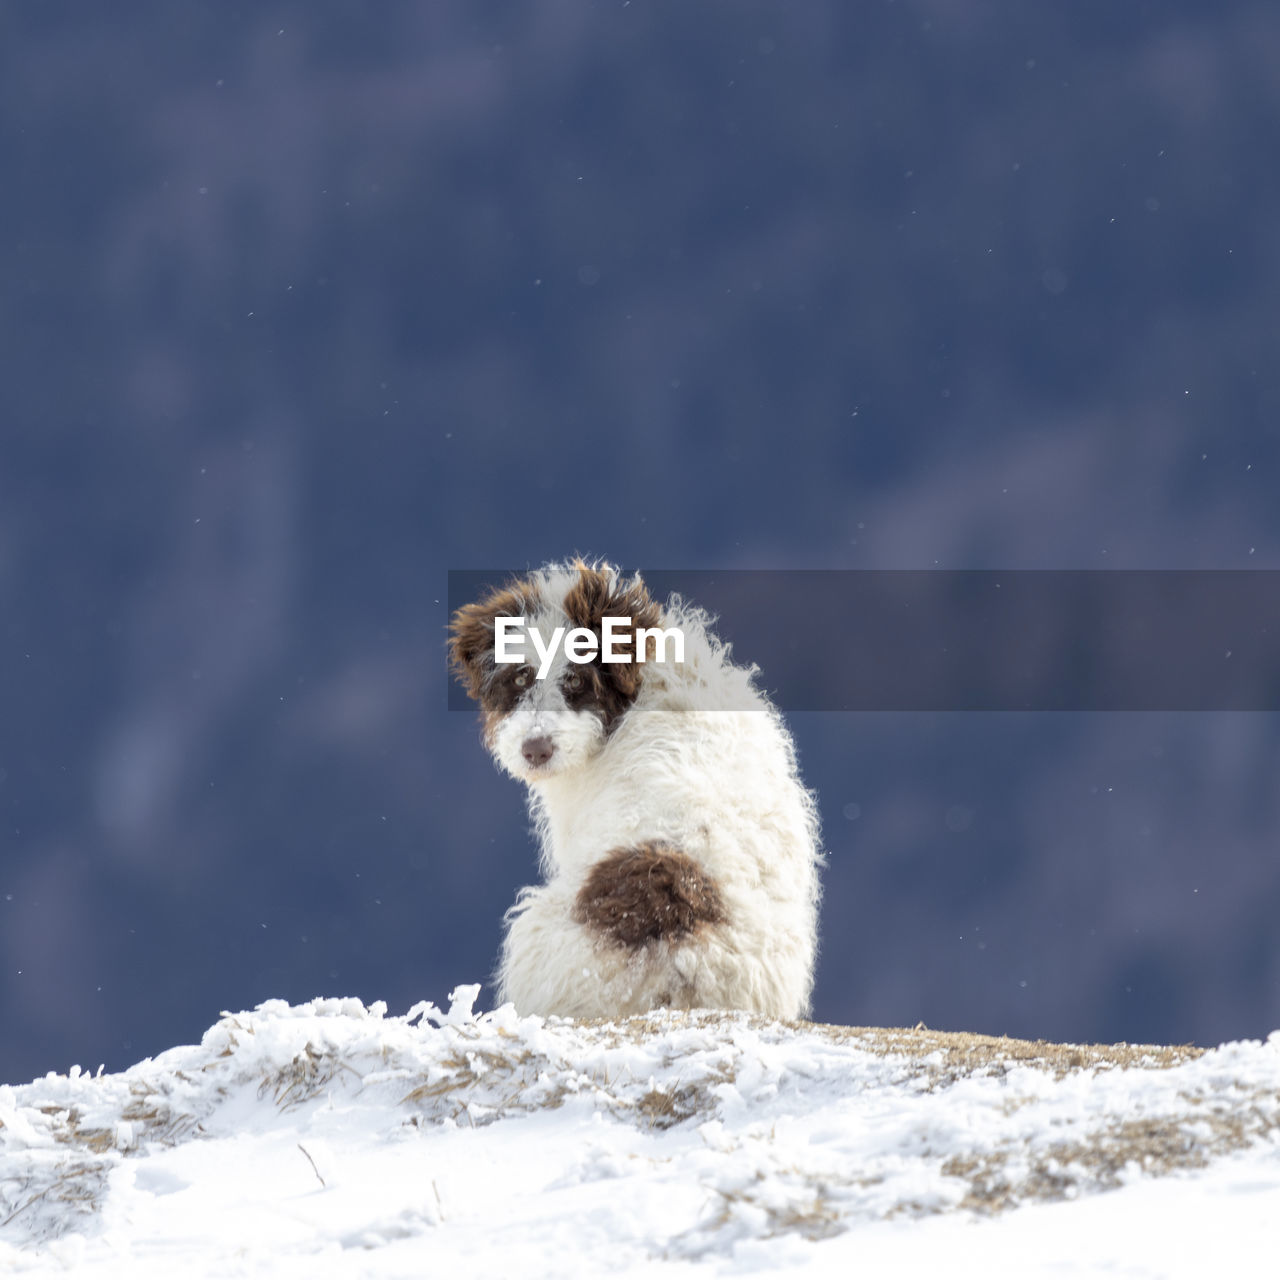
column 521, row 679
column 573, row 681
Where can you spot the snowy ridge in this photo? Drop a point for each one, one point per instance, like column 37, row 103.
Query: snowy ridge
column 292, row 1136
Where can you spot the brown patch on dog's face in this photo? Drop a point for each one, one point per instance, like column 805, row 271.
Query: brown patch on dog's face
column 607, row 688
column 504, row 688
column 471, row 646
column 648, row 891
column 607, row 691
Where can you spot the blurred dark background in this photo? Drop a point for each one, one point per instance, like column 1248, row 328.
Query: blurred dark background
column 305, row 304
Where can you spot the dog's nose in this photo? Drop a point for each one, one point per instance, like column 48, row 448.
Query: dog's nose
column 538, row 751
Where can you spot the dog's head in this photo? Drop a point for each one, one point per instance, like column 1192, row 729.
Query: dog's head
column 547, row 714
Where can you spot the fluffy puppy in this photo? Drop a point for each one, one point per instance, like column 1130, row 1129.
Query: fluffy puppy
column 679, row 848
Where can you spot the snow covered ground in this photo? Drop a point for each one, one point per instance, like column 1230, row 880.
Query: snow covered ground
column 331, row 1140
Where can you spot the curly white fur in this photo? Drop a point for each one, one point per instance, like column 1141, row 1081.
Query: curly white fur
column 702, row 761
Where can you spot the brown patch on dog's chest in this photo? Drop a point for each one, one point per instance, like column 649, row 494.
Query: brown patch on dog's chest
column 645, row 892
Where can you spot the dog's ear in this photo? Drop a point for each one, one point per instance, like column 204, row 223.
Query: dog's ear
column 471, row 629
column 601, row 592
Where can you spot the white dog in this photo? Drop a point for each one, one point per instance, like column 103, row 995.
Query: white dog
column 679, row 847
